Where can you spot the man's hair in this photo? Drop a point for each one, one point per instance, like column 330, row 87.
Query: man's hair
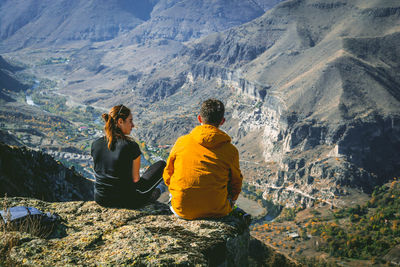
column 212, row 111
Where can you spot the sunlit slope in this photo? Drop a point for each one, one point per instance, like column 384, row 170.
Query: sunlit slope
column 325, row 59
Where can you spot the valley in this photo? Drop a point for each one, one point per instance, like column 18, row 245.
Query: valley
column 311, row 90
column 43, row 119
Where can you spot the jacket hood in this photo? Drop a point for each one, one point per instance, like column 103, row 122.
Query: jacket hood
column 209, row 136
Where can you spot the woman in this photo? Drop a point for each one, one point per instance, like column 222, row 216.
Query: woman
column 116, row 159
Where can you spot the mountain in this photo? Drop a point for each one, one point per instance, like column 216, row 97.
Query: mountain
column 58, row 23
column 31, row 23
column 187, row 20
column 4, row 65
column 29, row 173
column 312, row 90
column 28, row 23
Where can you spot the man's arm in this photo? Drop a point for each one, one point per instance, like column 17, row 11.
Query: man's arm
column 169, row 168
column 235, row 182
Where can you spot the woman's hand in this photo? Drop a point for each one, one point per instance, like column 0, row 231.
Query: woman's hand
column 135, row 170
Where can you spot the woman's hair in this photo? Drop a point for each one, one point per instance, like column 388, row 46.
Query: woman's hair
column 112, row 131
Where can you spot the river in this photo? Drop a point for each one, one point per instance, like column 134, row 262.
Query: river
column 29, row 100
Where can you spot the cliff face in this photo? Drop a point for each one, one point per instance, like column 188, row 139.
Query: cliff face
column 92, row 235
column 24, row 172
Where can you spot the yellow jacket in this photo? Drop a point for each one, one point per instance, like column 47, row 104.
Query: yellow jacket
column 201, row 168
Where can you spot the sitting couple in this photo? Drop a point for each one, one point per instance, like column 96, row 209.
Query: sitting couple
column 202, row 171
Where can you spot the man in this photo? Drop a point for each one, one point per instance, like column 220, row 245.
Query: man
column 202, row 172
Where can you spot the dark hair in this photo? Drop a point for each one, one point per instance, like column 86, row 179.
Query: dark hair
column 112, row 131
column 212, row 112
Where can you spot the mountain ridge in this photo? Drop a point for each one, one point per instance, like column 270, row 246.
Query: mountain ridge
column 27, row 23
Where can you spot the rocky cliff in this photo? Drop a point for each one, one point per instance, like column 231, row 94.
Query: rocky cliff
column 25, row 172
column 90, row 235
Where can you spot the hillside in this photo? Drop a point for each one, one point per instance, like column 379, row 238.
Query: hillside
column 187, row 20
column 28, row 23
column 363, row 234
column 24, row 172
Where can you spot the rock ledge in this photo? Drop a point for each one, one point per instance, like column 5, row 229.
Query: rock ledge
column 92, row 235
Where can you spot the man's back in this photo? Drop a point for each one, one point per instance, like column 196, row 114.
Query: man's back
column 199, row 169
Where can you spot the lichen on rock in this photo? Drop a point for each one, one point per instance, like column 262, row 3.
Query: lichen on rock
column 89, row 234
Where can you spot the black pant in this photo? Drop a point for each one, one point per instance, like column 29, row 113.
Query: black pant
column 143, row 189
column 151, row 178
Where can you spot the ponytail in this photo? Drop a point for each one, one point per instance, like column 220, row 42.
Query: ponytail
column 111, row 129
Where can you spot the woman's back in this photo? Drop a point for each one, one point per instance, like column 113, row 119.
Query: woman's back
column 113, row 170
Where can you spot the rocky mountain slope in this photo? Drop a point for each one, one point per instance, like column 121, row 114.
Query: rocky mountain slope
column 29, row 23
column 187, row 20
column 24, row 172
column 317, row 94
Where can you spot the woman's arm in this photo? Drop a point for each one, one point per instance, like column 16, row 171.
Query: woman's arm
column 135, row 170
